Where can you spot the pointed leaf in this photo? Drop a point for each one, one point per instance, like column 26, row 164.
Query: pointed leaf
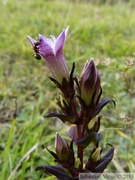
column 98, row 98
column 78, row 86
column 91, row 137
column 56, row 171
column 55, row 81
column 101, row 105
column 71, row 75
column 62, row 117
column 71, row 146
column 52, row 153
column 109, row 153
column 103, row 162
column 97, row 124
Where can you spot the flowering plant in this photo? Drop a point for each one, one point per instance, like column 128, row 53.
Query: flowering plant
column 80, row 105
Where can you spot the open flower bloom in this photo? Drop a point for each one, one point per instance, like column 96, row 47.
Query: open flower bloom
column 89, row 82
column 51, row 49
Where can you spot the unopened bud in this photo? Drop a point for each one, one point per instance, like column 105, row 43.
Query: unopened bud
column 89, row 82
column 77, row 163
column 96, row 154
column 62, row 148
column 92, row 122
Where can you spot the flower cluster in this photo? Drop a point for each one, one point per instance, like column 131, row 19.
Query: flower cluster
column 80, row 105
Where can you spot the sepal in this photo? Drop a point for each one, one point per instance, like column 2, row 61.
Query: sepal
column 62, row 117
column 100, row 165
column 57, row 171
column 92, row 137
column 67, row 87
column 100, row 106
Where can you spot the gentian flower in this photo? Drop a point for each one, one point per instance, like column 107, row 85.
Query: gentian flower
column 89, row 82
column 51, row 49
column 80, row 105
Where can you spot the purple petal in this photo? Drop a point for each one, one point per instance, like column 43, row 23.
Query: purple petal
column 73, row 133
column 56, row 63
column 60, row 41
column 45, row 46
column 33, row 41
column 66, row 31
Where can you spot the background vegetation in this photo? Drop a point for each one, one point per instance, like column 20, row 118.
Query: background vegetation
column 103, row 30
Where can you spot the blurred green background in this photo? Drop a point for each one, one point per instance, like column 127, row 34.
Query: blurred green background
column 104, row 30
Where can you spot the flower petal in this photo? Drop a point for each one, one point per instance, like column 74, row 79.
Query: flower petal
column 60, row 41
column 45, row 46
column 56, row 63
column 73, row 133
column 33, row 41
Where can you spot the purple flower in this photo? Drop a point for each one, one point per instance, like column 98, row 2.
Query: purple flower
column 89, row 82
column 51, row 49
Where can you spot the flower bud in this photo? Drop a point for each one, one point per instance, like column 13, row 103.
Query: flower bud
column 77, row 163
column 89, row 82
column 96, row 154
column 92, row 123
column 62, row 148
